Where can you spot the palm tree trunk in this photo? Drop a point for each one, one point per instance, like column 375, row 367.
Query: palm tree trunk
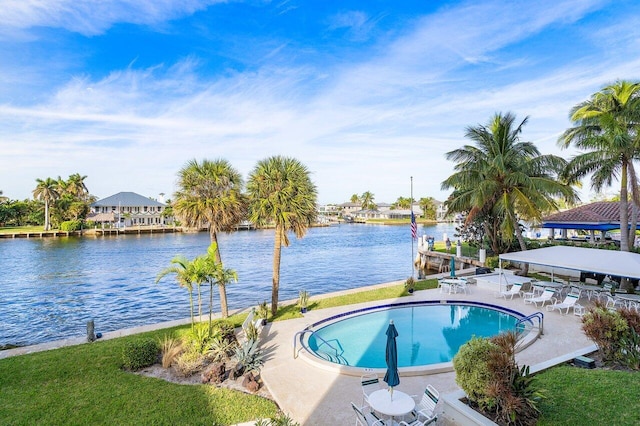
column 46, row 215
column 277, row 253
column 224, row 308
column 191, row 307
column 624, row 210
column 210, row 306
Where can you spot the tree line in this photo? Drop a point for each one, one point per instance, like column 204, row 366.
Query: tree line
column 427, row 204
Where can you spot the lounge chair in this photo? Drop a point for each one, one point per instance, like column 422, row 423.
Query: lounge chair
column 424, row 411
column 568, row 303
column 515, row 290
column 370, row 383
column 548, row 295
column 366, row 417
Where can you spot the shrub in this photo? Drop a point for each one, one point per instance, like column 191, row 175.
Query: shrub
column 605, row 328
column 487, row 371
column 225, row 329
column 138, row 354
column 189, row 363
column 197, row 339
column 280, row 420
column 492, row 261
column 170, row 348
column 251, row 331
column 472, row 372
column 220, row 349
column 71, row 225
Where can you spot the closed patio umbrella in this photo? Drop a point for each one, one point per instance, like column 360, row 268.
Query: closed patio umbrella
column 392, row 378
column 452, row 267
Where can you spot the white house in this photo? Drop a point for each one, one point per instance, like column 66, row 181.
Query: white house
column 129, row 209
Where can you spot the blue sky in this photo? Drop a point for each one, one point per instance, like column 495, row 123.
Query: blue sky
column 365, row 93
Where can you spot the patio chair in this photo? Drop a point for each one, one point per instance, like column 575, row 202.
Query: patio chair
column 515, row 290
column 424, row 411
column 413, row 423
column 548, row 295
column 463, row 285
column 568, row 303
column 613, row 303
column 535, row 291
column 366, row 417
column 370, row 383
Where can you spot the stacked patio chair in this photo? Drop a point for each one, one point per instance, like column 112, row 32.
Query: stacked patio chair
column 370, row 383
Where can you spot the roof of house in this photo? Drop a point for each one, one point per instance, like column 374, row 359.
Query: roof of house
column 127, row 199
column 602, row 215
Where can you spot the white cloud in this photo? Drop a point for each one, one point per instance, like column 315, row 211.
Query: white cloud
column 92, row 17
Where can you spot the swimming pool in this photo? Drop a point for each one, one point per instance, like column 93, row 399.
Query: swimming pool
column 429, row 334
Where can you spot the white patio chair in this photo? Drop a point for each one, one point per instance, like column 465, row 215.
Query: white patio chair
column 535, row 291
column 613, row 303
column 568, row 303
column 515, row 290
column 548, row 295
column 370, row 383
column 424, row 412
column 366, row 417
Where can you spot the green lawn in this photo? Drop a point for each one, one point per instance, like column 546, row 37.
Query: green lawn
column 14, row 229
column 577, row 396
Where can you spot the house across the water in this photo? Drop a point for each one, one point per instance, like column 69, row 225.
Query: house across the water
column 129, row 209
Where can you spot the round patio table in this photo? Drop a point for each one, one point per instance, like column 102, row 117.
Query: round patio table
column 391, row 404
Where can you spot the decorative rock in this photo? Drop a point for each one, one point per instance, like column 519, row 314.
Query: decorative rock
column 214, row 374
column 236, row 371
column 250, row 383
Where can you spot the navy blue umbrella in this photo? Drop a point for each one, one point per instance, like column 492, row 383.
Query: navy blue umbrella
column 392, row 377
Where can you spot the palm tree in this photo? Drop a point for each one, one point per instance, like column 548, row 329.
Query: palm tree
column 75, row 186
column 355, row 198
column 185, row 273
column 47, row 191
column 281, row 192
column 403, row 203
column 214, row 273
column 428, row 207
column 501, row 176
column 607, row 128
column 211, row 193
column 367, row 200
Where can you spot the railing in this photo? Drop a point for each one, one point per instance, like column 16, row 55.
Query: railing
column 338, row 353
column 529, row 318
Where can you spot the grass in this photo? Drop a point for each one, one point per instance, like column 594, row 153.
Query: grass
column 576, row 396
column 16, row 229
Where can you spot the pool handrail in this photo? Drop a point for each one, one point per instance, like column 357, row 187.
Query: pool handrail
column 529, row 318
column 300, row 333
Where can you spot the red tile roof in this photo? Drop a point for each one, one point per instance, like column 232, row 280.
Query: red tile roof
column 598, row 212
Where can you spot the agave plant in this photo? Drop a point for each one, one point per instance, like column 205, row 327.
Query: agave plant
column 249, row 355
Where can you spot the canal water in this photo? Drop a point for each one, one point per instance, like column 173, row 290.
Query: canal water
column 50, row 288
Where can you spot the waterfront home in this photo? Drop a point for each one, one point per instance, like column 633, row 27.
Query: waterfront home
column 129, row 209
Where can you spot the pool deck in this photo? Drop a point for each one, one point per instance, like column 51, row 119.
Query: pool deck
column 315, row 396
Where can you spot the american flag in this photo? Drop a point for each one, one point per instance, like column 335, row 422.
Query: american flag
column 414, row 227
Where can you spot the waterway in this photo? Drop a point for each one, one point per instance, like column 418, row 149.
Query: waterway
column 50, row 288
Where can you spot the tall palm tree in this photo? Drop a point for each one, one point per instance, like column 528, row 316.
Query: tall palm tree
column 210, row 193
column 367, row 200
column 428, row 207
column 75, row 186
column 355, row 198
column 47, row 191
column 185, row 273
column 607, row 129
column 503, row 177
column 281, row 192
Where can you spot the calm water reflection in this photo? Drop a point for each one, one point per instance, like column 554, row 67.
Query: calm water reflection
column 50, row 288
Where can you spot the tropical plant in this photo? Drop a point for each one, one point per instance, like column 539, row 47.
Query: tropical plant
column 183, row 269
column 410, row 284
column 214, row 272
column 504, row 178
column 47, row 191
column 366, row 199
column 355, row 198
column 303, row 299
column 210, row 193
column 280, row 420
column 428, row 207
column 607, row 128
column 249, row 355
column 189, row 362
column 282, row 193
column 220, row 348
column 402, row 203
column 263, row 311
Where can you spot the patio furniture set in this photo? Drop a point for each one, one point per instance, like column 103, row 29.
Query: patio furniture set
column 563, row 296
column 391, row 407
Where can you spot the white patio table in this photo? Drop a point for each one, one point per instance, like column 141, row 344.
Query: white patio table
column 394, row 404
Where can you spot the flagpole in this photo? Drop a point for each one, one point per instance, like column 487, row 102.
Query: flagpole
column 411, row 201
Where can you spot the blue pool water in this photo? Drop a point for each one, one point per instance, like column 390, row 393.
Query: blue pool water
column 428, row 334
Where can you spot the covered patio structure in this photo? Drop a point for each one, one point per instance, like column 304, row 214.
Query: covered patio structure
column 605, row 262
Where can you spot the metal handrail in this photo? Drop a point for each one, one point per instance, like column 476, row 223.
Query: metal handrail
column 536, row 315
column 295, row 338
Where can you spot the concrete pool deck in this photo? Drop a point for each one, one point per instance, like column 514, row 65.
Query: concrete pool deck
column 315, row 396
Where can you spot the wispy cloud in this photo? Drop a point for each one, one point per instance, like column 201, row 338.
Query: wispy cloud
column 92, row 17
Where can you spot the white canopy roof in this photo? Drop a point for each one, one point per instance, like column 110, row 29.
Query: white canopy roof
column 607, row 262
